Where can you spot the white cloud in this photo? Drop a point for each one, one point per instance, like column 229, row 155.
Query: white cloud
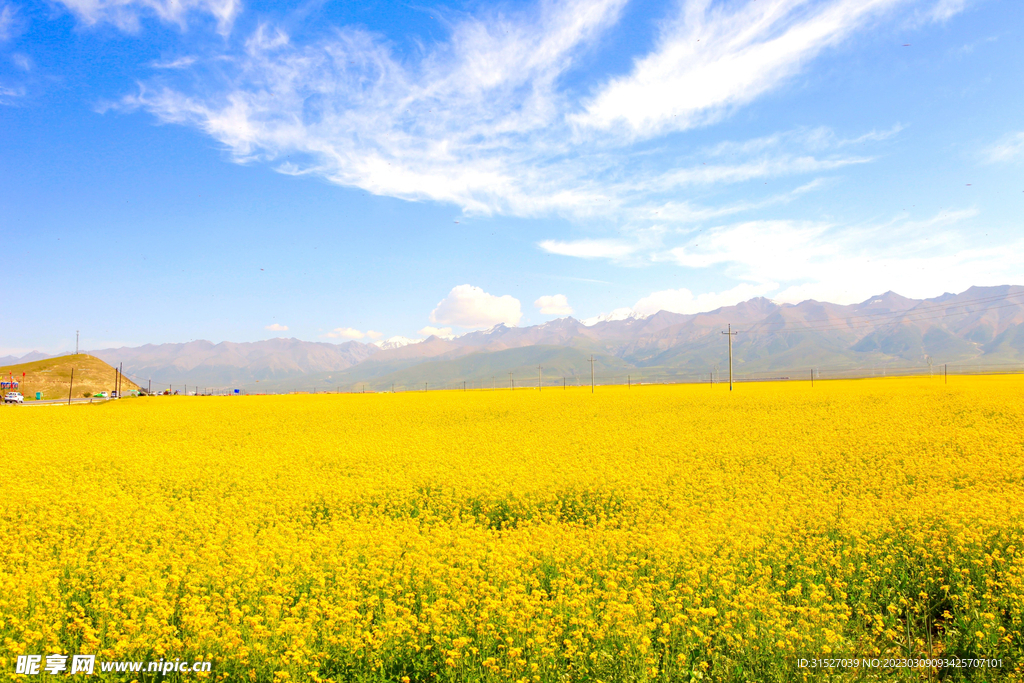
column 1009, row 148
column 762, row 247
column 276, row 327
column 345, row 333
column 555, row 304
column 126, row 14
column 483, row 120
column 946, row 9
column 7, row 22
column 684, row 301
column 849, row 263
column 7, row 95
column 843, row 263
column 472, row 307
column 179, row 63
column 590, row 248
column 22, row 61
column 714, row 57
column 464, row 123
column 373, row 334
column 441, row 332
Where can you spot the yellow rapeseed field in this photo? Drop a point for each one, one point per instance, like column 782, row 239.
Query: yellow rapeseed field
column 660, row 533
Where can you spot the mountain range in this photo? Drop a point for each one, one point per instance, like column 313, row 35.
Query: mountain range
column 982, row 325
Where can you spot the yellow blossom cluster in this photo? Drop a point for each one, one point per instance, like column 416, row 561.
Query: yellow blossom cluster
column 656, row 533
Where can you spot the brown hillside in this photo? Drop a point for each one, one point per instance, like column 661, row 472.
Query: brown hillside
column 52, row 376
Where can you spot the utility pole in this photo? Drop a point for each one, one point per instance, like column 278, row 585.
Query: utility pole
column 540, row 376
column 120, row 377
column 812, row 378
column 76, row 342
column 511, row 382
column 150, row 392
column 72, row 387
column 424, row 386
column 591, row 373
column 463, row 385
column 730, row 333
column 945, row 376
column 629, row 382
column 563, row 384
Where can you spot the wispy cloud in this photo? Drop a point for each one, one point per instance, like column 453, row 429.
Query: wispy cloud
column 9, row 95
column 7, row 22
column 944, row 10
column 178, row 63
column 591, row 248
column 484, row 120
column 276, row 327
column 344, row 333
column 127, row 14
column 11, row 91
column 350, row 333
column 714, row 57
column 684, row 301
column 845, row 263
column 1009, row 148
column 442, row 332
column 22, row 61
column 464, row 124
column 795, row 260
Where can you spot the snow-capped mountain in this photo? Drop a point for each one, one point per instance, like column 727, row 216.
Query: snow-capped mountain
column 395, row 342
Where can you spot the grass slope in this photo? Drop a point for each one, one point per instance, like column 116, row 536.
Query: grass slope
column 52, row 376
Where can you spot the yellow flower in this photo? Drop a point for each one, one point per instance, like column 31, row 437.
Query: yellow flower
column 678, row 532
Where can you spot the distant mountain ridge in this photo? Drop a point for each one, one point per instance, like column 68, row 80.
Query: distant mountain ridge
column 230, row 363
column 981, row 323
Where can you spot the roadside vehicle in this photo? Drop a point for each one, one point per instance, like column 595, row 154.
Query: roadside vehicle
column 14, row 397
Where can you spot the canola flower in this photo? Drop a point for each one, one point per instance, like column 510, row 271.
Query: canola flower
column 660, row 533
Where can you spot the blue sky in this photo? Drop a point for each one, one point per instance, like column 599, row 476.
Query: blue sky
column 220, row 169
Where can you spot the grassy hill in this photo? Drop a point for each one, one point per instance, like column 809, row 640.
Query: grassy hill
column 52, row 376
